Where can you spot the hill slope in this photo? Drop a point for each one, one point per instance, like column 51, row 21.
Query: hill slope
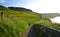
column 20, row 9
column 14, row 23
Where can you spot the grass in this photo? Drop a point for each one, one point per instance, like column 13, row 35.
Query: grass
column 15, row 23
column 49, row 24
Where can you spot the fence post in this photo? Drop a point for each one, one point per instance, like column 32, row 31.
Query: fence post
column 2, row 15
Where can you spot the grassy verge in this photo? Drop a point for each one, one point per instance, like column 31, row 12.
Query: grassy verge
column 15, row 23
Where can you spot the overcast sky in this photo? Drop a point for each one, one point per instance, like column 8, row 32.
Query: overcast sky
column 40, row 6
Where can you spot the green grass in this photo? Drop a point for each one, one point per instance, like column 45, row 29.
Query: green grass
column 15, row 23
column 49, row 24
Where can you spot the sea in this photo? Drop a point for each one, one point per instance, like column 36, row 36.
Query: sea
column 55, row 19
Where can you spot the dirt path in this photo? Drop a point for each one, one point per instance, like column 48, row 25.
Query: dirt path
column 30, row 32
column 25, row 34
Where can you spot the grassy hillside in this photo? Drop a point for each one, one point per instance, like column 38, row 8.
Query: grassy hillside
column 20, row 9
column 50, row 24
column 14, row 23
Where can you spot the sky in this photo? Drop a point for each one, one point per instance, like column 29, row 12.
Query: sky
column 40, row 6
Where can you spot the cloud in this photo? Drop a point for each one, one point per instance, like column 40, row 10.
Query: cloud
column 2, row 1
column 45, row 6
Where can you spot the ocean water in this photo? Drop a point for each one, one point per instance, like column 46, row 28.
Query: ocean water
column 55, row 20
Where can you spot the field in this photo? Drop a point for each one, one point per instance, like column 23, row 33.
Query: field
column 14, row 23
